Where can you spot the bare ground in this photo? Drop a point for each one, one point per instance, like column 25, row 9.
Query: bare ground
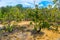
column 27, row 34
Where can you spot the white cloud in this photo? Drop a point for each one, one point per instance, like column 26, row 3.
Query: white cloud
column 23, row 2
column 41, row 5
column 32, row 2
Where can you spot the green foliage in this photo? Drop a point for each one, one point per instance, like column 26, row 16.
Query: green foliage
column 55, row 1
column 9, row 28
column 45, row 25
column 31, row 23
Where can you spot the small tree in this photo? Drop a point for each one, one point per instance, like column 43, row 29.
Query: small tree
column 39, row 19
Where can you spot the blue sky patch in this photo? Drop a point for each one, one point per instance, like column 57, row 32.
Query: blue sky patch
column 25, row 3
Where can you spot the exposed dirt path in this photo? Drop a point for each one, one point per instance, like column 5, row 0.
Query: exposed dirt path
column 24, row 23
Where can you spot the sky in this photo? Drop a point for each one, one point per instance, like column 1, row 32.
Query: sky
column 25, row 3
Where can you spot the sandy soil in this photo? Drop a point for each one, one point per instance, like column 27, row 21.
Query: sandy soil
column 28, row 35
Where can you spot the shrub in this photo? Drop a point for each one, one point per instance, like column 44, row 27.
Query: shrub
column 45, row 25
column 9, row 28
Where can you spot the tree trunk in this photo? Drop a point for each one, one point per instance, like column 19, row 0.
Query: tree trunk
column 57, row 28
column 39, row 30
